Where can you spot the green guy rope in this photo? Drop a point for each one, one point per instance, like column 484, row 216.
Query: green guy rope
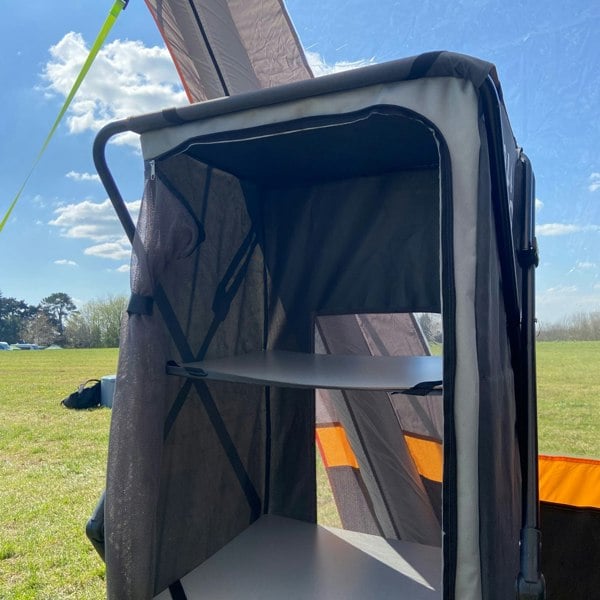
column 118, row 6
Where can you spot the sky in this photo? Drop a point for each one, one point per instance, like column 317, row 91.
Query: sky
column 63, row 235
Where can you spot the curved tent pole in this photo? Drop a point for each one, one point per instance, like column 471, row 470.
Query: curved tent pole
column 99, row 154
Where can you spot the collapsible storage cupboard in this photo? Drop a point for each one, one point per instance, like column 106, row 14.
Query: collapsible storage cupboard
column 285, row 238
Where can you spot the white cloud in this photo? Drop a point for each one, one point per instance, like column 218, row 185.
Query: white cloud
column 66, row 262
column 554, row 229
column 594, row 182
column 123, row 269
column 75, row 176
column 97, row 222
column 538, row 204
column 585, row 265
column 117, row 250
column 127, row 78
column 562, row 289
column 320, row 67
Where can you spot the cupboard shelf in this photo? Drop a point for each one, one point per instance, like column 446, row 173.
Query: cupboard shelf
column 302, row 370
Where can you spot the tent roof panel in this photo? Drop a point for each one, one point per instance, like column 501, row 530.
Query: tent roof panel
column 426, row 66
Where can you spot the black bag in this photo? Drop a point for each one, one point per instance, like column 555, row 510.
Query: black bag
column 84, row 397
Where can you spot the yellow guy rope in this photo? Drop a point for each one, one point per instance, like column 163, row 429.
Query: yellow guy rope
column 118, row 6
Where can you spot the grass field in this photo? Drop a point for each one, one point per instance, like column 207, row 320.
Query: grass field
column 52, row 469
column 53, row 460
column 569, row 398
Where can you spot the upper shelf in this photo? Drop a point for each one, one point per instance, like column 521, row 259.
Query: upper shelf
column 296, row 369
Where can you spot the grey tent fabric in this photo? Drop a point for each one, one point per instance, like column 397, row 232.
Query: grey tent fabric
column 227, row 47
column 363, row 193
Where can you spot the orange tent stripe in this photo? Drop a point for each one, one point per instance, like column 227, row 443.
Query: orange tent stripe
column 562, row 480
column 571, row 481
column 335, row 447
column 428, row 457
column 336, row 452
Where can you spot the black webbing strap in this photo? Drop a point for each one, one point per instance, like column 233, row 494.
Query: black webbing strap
column 140, row 305
column 422, row 389
column 176, row 407
column 184, row 202
column 177, row 591
column 208, row 402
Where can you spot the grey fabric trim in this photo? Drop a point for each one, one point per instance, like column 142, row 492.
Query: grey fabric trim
column 423, row 96
column 463, row 146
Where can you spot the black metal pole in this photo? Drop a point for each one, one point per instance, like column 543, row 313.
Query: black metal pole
column 530, row 582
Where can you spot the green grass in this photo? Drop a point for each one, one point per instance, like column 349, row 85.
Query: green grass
column 569, row 398
column 52, row 464
column 52, row 470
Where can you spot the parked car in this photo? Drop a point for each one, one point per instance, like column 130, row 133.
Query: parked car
column 4, row 346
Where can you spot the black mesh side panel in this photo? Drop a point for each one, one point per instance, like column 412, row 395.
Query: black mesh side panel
column 352, row 500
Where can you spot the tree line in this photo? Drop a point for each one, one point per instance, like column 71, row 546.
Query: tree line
column 57, row 320
column 578, row 327
column 583, row 327
column 97, row 324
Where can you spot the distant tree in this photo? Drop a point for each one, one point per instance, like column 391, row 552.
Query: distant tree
column 58, row 307
column 39, row 330
column 97, row 324
column 431, row 326
column 77, row 332
column 13, row 318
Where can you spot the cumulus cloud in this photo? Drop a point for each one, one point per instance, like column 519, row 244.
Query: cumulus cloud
column 554, row 229
column 320, row 67
column 123, row 269
column 75, row 176
column 66, row 262
column 538, row 204
column 562, row 289
column 117, row 250
column 98, row 223
column 127, row 78
column 594, row 182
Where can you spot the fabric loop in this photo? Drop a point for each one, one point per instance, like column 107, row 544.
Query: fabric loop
column 140, row 305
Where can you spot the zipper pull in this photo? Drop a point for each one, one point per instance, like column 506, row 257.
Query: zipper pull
column 152, row 170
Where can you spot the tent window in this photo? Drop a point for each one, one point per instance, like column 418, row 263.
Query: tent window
column 379, row 454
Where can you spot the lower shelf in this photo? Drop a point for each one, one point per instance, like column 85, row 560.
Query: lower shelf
column 279, row 558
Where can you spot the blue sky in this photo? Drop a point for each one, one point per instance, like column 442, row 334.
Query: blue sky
column 63, row 236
